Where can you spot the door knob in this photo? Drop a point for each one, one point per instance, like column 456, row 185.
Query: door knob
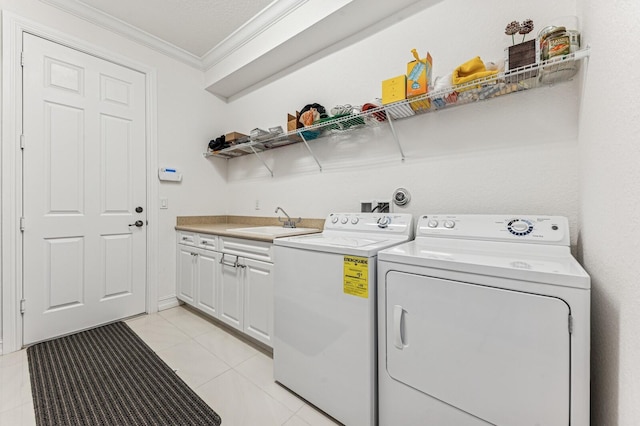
column 137, row 223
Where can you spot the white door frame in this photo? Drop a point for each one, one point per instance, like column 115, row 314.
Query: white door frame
column 11, row 249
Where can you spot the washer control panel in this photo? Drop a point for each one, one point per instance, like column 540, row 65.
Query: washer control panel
column 524, row 228
column 397, row 223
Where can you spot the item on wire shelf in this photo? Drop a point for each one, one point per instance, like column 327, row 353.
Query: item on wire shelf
column 308, row 116
column 235, row 138
column 557, row 40
column 443, row 94
column 218, row 143
column 343, row 110
column 293, row 123
column 419, row 80
column 394, row 89
column 378, row 114
column 470, row 71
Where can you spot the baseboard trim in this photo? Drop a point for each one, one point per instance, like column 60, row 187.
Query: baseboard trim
column 168, row 303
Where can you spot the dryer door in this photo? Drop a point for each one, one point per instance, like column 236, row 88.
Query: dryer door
column 497, row 354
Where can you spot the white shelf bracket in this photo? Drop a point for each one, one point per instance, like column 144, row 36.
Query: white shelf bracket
column 395, row 135
column 261, row 159
column 310, row 150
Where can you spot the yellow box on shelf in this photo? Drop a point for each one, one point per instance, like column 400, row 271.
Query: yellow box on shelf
column 394, row 89
column 418, row 80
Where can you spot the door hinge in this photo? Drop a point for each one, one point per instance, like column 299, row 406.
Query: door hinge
column 22, row 141
column 570, row 324
column 22, row 59
column 23, row 302
column 22, row 223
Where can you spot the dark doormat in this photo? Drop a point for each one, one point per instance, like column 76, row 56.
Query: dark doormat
column 109, row 376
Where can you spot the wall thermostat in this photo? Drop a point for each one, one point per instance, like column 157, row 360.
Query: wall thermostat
column 169, row 174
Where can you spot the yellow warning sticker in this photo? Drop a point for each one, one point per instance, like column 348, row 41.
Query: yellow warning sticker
column 356, row 276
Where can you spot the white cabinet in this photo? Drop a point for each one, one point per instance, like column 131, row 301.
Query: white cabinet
column 207, row 267
column 197, row 272
column 230, row 279
column 186, row 274
column 231, row 291
column 258, row 300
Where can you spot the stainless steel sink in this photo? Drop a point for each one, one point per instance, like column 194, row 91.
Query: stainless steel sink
column 272, row 231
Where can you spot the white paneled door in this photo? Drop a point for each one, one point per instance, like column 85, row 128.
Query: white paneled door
column 84, row 190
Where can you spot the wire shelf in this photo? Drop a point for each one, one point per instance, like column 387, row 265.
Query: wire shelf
column 515, row 80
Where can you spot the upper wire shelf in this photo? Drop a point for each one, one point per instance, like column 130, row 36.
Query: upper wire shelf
column 543, row 73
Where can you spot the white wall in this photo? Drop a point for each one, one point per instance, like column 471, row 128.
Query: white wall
column 517, row 154
column 609, row 239
column 186, row 116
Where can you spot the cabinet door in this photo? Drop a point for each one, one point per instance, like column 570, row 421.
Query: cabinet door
column 185, row 285
column 207, row 278
column 258, row 300
column 231, row 291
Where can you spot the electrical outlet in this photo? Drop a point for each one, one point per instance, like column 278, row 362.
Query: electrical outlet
column 257, row 204
column 383, row 206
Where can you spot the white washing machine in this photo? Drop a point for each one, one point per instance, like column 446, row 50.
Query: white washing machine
column 483, row 320
column 325, row 312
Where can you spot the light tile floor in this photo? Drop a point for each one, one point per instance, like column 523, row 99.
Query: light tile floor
column 232, row 376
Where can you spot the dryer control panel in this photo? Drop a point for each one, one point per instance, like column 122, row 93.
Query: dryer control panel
column 533, row 229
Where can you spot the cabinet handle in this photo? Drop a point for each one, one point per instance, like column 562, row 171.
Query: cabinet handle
column 204, row 243
column 233, row 265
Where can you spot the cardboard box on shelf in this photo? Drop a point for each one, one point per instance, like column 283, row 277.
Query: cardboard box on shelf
column 394, row 89
column 235, row 137
column 293, row 123
column 418, row 80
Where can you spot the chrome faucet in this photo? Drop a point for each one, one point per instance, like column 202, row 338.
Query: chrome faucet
column 287, row 223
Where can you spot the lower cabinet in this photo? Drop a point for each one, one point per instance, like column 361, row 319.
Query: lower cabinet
column 233, row 288
column 186, row 274
column 258, row 287
column 197, row 272
column 207, row 267
column 231, row 292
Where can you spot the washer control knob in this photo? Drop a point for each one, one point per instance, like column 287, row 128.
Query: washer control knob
column 432, row 223
column 384, row 221
column 449, row 224
column 344, row 220
column 355, row 220
column 334, row 219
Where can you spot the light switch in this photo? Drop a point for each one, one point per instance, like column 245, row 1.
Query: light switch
column 164, row 203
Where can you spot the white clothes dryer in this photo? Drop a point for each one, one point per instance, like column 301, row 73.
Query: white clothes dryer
column 483, row 320
column 325, row 312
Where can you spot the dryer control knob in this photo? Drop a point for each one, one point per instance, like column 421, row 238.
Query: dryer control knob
column 355, row 220
column 520, row 226
column 334, row 219
column 344, row 220
column 432, row 223
column 449, row 224
column 384, row 221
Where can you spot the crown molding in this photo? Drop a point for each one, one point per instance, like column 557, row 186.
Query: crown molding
column 101, row 19
column 268, row 17
column 264, row 20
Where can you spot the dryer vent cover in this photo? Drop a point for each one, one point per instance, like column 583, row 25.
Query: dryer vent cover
column 401, row 197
